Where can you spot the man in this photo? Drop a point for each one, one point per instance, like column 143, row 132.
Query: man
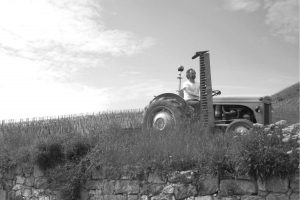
column 191, row 88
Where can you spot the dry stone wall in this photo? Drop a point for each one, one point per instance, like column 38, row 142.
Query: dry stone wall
column 29, row 183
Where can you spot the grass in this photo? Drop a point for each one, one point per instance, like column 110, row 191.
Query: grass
column 114, row 140
column 18, row 140
column 286, row 104
column 119, row 131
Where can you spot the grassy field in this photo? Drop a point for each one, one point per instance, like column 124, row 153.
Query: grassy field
column 286, row 104
column 17, row 138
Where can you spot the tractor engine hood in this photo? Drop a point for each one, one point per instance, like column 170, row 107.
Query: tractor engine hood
column 236, row 99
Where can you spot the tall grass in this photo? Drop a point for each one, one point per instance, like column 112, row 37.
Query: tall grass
column 19, row 139
column 68, row 148
column 286, row 104
column 287, row 109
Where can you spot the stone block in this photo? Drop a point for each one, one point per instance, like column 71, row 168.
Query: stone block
column 84, row 194
column 26, row 192
column 229, row 198
column 151, row 189
column 252, row 197
column 294, row 183
column 8, row 185
column 93, row 193
column 37, row 192
column 93, row 185
column 182, row 177
column 155, row 178
column 3, row 195
column 37, row 172
column 98, row 174
column 144, row 197
column 29, row 181
column 277, row 185
column 41, row 182
column 58, row 195
column 53, row 197
column 11, row 195
column 43, row 197
column 127, row 187
column 237, row 187
column 169, row 189
column 262, row 193
column 20, row 180
column 111, row 173
column 17, row 187
column 207, row 185
column 274, row 184
column 163, row 197
column 277, row 196
column 133, row 173
column 207, row 197
column 182, row 191
column 132, row 197
column 104, row 187
column 190, row 198
column 27, row 171
column 108, row 187
column 18, row 193
column 109, row 197
column 294, row 196
column 289, row 192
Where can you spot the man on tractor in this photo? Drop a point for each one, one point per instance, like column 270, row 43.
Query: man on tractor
column 191, row 88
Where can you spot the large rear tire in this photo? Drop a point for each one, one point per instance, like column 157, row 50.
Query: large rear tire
column 240, row 126
column 163, row 115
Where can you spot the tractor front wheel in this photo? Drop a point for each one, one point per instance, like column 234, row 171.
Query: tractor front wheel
column 240, row 126
column 163, row 115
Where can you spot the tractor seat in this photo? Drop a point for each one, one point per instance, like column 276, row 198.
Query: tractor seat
column 192, row 101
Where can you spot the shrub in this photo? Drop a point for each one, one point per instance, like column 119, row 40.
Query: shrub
column 266, row 152
column 49, row 155
column 77, row 150
column 67, row 178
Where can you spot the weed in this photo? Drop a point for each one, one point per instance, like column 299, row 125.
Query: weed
column 49, row 155
column 265, row 152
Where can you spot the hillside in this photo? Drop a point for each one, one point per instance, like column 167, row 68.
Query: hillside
column 286, row 104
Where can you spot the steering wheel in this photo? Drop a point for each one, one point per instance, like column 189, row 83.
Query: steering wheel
column 216, row 92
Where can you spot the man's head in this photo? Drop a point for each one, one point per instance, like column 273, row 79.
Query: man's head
column 191, row 74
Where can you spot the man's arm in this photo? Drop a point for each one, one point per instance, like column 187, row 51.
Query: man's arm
column 190, row 92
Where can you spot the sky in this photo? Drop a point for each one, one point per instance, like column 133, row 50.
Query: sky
column 63, row 57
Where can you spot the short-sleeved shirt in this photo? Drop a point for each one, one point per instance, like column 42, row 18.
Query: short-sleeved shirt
column 191, row 90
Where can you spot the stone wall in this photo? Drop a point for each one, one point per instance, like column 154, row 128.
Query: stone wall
column 30, row 183
column 25, row 183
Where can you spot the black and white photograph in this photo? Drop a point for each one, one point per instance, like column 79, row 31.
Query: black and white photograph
column 149, row 100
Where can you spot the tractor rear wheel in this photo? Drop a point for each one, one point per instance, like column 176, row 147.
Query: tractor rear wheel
column 163, row 115
column 240, row 126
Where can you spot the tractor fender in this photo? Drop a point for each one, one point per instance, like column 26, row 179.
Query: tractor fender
column 170, row 97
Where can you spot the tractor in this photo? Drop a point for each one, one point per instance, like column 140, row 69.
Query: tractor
column 230, row 114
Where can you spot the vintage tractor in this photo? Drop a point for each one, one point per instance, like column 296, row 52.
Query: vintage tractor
column 231, row 114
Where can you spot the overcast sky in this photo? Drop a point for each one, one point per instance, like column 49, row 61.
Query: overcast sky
column 62, row 57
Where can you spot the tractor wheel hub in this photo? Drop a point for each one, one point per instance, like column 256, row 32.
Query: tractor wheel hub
column 241, row 130
column 162, row 120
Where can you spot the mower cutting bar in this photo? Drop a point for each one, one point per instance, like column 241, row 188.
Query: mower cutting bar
column 206, row 106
